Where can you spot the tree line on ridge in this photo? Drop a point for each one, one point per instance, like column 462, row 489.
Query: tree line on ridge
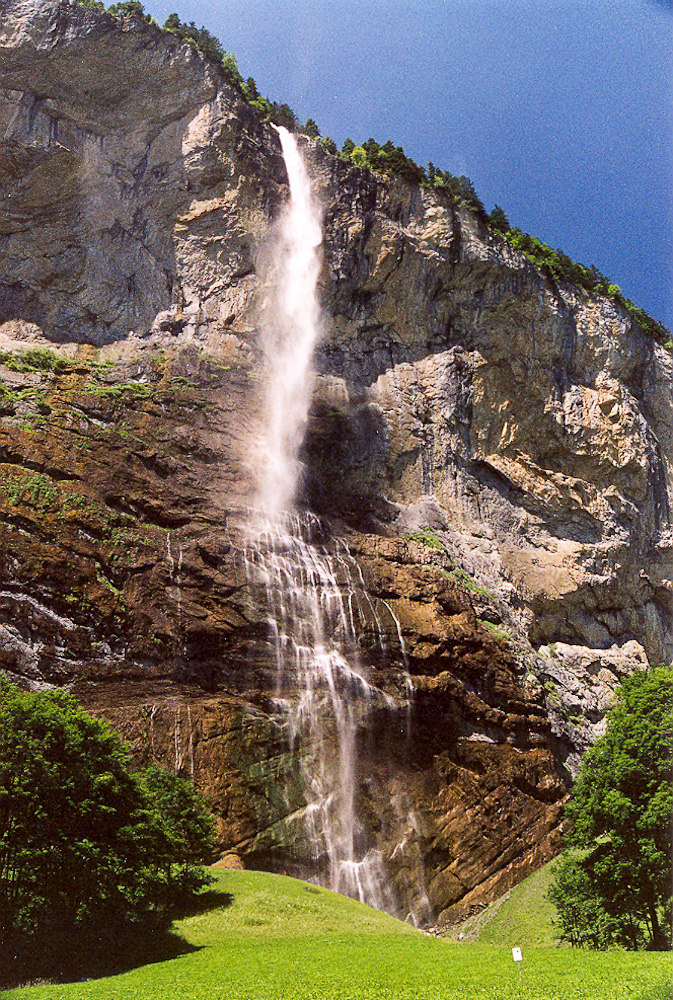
column 392, row 160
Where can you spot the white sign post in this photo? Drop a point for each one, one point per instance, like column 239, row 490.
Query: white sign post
column 516, row 955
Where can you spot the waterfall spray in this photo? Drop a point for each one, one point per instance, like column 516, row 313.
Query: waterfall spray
column 290, row 331
column 314, row 590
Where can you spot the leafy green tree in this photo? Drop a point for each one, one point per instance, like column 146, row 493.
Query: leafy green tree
column 358, row 157
column 282, row 114
column 470, row 196
column 130, row 8
column 373, row 153
column 211, row 47
column 85, row 844
column 186, row 830
column 445, row 181
column 621, row 810
column 90, row 4
column 172, row 23
column 396, row 162
column 230, row 67
column 581, row 915
column 251, row 89
column 614, row 292
column 347, row 149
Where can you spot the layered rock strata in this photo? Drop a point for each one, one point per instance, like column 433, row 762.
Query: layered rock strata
column 494, row 448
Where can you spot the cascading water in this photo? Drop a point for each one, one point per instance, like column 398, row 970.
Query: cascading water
column 316, row 609
column 316, row 600
column 291, row 329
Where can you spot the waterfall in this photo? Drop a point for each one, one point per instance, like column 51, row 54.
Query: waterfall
column 313, row 588
column 290, row 331
column 316, row 611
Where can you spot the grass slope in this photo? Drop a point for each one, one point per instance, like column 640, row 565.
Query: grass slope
column 523, row 916
column 267, row 937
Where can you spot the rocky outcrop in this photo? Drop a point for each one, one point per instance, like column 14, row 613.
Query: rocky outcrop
column 494, row 449
column 133, row 179
column 123, row 568
column 580, row 686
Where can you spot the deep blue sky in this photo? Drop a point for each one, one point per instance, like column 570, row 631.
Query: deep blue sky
column 559, row 110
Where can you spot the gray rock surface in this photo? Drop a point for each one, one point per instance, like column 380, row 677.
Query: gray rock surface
column 580, row 684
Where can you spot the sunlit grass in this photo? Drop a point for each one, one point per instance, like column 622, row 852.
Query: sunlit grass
column 523, row 917
column 266, row 937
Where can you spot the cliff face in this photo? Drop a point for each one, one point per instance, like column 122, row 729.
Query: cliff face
column 494, row 449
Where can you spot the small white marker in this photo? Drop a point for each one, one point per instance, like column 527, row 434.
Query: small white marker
column 516, row 955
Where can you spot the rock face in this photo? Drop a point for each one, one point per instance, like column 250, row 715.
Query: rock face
column 494, row 449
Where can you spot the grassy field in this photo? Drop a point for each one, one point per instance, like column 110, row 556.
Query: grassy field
column 266, row 937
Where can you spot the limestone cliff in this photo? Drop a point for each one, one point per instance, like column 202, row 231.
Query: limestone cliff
column 494, row 448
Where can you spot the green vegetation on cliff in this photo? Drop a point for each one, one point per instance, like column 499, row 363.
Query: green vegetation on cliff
column 267, row 937
column 37, row 359
column 202, row 40
column 391, row 160
column 560, row 267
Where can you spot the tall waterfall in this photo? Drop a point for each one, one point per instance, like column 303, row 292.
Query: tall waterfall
column 316, row 600
column 290, row 330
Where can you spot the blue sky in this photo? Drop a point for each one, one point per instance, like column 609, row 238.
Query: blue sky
column 561, row 111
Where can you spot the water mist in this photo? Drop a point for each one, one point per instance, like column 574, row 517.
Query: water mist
column 290, row 331
column 315, row 596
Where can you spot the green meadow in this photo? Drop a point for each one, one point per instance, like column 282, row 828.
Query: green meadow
column 257, row 936
column 523, row 916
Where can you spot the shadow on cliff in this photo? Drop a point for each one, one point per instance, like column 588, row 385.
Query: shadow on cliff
column 68, row 958
column 343, row 453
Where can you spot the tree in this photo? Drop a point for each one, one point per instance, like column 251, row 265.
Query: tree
column 186, row 831
column 85, row 844
column 614, row 293
column 470, row 196
column 347, row 149
column 329, row 145
column 311, row 129
column 172, row 23
column 251, row 88
column 621, row 807
column 129, row 8
column 230, row 68
column 582, row 917
column 498, row 220
column 282, row 114
column 373, row 152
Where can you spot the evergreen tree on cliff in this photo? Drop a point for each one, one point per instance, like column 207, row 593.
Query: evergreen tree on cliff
column 617, row 889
